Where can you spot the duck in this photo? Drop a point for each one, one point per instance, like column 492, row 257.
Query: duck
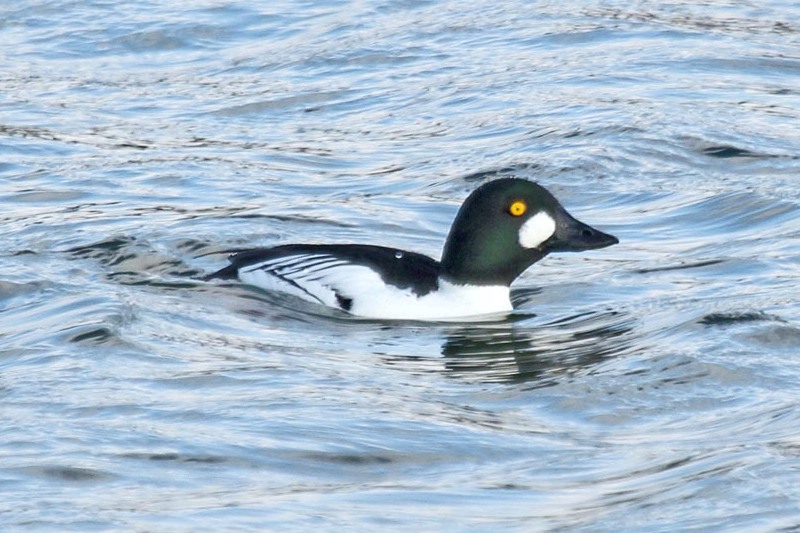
column 502, row 228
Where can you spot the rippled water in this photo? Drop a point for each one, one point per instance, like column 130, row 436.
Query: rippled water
column 648, row 386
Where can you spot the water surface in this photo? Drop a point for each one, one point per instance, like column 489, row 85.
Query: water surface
column 648, row 386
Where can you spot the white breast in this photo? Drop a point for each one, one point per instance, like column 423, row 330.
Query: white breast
column 450, row 302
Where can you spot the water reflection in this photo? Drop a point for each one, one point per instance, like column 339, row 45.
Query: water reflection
column 513, row 352
column 521, row 348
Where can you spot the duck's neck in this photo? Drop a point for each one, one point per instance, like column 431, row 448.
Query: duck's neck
column 465, row 265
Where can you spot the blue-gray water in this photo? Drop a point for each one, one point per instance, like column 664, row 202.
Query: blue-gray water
column 650, row 386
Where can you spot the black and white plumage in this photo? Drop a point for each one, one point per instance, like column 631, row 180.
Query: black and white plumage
column 400, row 284
column 502, row 228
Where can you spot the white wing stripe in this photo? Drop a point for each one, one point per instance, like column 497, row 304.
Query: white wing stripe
column 290, row 264
column 322, row 278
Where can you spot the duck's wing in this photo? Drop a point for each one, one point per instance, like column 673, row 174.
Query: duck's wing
column 333, row 275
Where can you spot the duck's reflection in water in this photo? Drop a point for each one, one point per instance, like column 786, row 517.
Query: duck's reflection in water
column 545, row 353
column 521, row 348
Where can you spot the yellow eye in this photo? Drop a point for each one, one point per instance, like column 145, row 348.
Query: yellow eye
column 517, row 208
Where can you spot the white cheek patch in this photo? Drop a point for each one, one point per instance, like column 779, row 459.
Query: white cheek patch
column 536, row 230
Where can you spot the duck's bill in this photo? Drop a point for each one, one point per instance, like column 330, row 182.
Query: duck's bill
column 572, row 235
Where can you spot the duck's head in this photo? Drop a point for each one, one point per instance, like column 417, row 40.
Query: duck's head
column 505, row 226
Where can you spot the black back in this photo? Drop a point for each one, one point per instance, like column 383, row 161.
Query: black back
column 404, row 270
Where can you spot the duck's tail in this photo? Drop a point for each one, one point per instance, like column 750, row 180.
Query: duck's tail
column 229, row 272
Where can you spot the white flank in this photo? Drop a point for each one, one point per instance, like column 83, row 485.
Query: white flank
column 450, row 302
column 320, row 278
column 536, row 230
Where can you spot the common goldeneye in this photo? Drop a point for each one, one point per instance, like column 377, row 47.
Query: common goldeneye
column 502, row 228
